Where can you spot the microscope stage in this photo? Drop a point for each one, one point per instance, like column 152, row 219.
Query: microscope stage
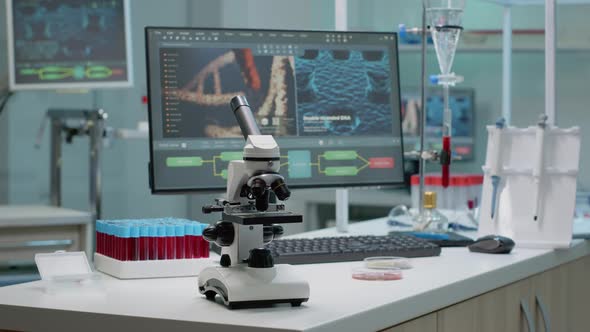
column 263, row 218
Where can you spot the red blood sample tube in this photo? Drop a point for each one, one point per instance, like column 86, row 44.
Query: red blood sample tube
column 101, row 238
column 153, row 242
column 98, row 236
column 134, row 250
column 203, row 244
column 108, row 241
column 170, row 242
column 204, row 247
column 114, row 233
column 196, row 240
column 180, row 236
column 188, row 241
column 144, row 249
column 161, row 241
column 125, row 243
column 105, row 236
column 117, row 242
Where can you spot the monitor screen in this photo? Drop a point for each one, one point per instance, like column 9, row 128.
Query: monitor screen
column 462, row 106
column 331, row 100
column 62, row 44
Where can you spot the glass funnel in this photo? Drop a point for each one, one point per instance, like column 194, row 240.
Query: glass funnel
column 445, row 18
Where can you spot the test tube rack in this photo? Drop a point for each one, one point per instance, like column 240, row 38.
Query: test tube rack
column 151, row 248
column 529, row 189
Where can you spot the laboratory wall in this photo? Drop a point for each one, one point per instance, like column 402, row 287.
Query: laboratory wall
column 24, row 169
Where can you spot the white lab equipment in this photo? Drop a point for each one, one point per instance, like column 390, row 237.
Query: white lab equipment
column 247, row 275
column 529, row 190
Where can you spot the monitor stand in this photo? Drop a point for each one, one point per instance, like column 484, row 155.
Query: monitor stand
column 342, row 210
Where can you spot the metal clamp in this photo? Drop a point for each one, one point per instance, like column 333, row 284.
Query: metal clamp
column 544, row 313
column 524, row 306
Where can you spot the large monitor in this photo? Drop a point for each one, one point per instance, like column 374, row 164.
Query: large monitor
column 462, row 103
column 330, row 99
column 68, row 44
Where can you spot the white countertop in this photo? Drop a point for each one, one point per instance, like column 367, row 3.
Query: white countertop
column 337, row 302
column 41, row 215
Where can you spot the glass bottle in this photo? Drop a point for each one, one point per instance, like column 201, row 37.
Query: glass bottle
column 431, row 220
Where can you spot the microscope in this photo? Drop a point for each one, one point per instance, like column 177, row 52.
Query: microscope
column 247, row 276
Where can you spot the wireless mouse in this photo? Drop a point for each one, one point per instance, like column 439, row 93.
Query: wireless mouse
column 492, row 244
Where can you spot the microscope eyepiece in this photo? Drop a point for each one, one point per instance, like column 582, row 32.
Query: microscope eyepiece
column 244, row 116
column 279, row 187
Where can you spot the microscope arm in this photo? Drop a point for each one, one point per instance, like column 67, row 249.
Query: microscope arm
column 236, row 178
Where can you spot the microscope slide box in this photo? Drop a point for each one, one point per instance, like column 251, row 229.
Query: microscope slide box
column 151, row 268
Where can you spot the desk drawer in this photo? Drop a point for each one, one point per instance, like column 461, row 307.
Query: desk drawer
column 19, row 245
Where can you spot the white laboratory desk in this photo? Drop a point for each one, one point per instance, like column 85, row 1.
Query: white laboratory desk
column 436, row 289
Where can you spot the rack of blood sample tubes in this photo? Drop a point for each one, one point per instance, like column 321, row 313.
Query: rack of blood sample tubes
column 151, row 239
column 128, row 247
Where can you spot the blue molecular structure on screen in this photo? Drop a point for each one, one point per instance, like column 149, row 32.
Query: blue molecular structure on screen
column 353, row 85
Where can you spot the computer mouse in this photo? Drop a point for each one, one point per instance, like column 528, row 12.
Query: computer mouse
column 492, row 244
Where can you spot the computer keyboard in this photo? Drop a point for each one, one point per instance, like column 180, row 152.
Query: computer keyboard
column 349, row 248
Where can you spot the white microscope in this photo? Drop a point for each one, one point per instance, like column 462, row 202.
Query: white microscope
column 247, row 276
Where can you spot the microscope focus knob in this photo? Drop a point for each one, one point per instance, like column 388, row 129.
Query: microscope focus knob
column 260, row 258
column 277, row 231
column 222, row 233
column 271, row 232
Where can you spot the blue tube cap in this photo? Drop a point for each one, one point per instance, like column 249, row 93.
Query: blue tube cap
column 123, row 231
column 161, row 230
column 170, row 230
column 199, row 227
column 152, row 230
column 144, row 230
column 134, row 231
column 179, row 229
column 189, row 229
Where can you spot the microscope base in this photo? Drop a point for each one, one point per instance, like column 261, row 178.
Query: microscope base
column 244, row 287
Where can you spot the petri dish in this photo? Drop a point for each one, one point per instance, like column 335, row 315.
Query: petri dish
column 387, row 262
column 363, row 273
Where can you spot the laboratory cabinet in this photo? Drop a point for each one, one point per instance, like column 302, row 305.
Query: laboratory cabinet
column 555, row 300
column 422, row 324
column 29, row 229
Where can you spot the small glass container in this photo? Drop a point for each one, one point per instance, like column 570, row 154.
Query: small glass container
column 431, row 220
column 387, row 262
column 363, row 273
